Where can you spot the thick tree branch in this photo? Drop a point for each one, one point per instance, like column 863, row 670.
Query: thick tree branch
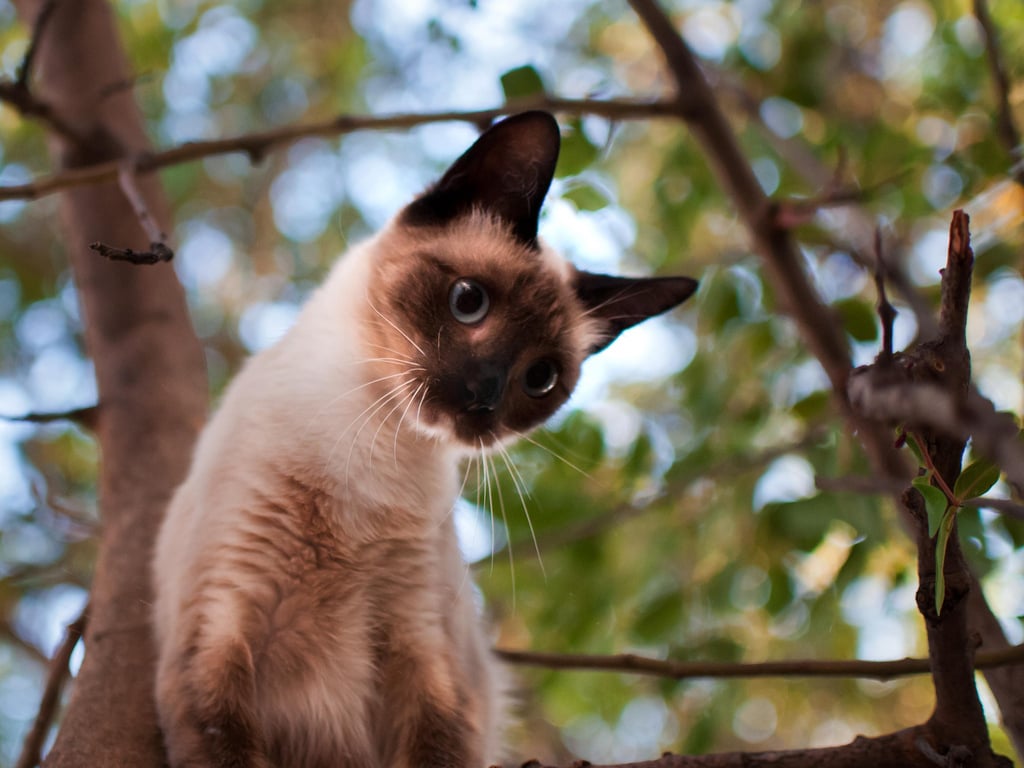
column 686, row 670
column 699, row 108
column 151, row 381
column 259, row 144
column 942, row 368
column 31, row 751
column 697, row 105
column 909, row 748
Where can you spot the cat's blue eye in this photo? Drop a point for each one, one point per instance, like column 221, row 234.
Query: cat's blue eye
column 540, row 378
column 468, row 301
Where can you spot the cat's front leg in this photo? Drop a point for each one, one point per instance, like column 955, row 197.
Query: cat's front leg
column 206, row 710
column 429, row 713
column 440, row 739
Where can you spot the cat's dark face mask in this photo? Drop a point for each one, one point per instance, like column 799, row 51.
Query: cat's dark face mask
column 484, row 327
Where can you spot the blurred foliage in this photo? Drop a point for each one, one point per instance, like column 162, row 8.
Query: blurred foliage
column 674, row 508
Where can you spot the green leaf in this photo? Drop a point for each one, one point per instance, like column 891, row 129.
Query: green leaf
column 638, row 461
column 935, row 502
column 587, row 197
column 812, row 406
column 659, row 619
column 976, row 479
column 577, row 153
column 911, row 443
column 521, row 82
column 721, row 303
column 945, row 528
column 858, row 319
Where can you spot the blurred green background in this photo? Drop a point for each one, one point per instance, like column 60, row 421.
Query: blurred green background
column 674, row 500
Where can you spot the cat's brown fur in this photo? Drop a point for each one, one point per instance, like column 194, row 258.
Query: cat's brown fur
column 312, row 605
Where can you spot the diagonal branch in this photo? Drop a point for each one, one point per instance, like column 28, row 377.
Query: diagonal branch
column 31, row 751
column 697, row 105
column 158, row 249
column 784, row 270
column 258, row 144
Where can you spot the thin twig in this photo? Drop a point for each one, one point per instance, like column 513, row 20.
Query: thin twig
column 799, row 211
column 157, row 252
column 936, row 475
column 257, row 145
column 681, row 670
column 126, row 180
column 31, row 751
column 790, row 214
column 158, row 249
column 85, row 416
column 871, row 485
column 1002, row 506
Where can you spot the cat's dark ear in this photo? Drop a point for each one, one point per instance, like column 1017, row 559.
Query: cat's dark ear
column 618, row 303
column 506, row 172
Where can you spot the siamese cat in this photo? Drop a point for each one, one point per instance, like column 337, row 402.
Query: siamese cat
column 312, row 607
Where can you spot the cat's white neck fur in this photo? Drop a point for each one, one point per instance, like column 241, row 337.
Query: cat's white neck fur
column 308, row 402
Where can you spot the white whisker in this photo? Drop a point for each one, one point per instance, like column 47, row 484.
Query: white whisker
column 520, row 485
column 397, row 392
column 504, row 518
column 389, row 322
column 383, row 423
column 531, row 441
column 419, row 408
column 398, row 427
column 334, row 400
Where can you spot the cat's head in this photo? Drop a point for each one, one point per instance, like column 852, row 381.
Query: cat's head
column 476, row 328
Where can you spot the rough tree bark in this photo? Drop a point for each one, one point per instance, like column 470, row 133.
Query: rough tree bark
column 151, row 379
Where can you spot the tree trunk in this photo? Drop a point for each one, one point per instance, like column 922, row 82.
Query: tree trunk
column 151, row 380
